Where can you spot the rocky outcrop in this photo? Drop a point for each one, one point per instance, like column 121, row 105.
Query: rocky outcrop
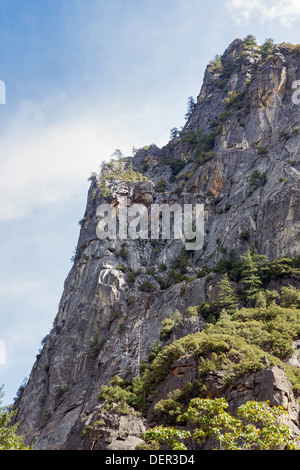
column 270, row 385
column 108, row 431
column 238, row 155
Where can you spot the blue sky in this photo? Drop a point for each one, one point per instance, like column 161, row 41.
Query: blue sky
column 82, row 79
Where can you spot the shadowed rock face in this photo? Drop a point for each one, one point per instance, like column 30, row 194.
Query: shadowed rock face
column 249, row 184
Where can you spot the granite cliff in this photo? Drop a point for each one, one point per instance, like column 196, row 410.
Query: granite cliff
column 238, row 154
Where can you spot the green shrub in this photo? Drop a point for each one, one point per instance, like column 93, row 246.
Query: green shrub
column 296, row 48
column 224, row 116
column 96, row 346
column 262, row 150
column 131, row 278
column 244, row 235
column 267, row 47
column 249, row 42
column 284, row 135
column 175, row 277
column 117, row 396
column 157, row 347
column 146, row 286
column 257, row 179
column 10, row 438
column 121, row 328
column 160, row 187
column 203, row 271
column 177, row 165
column 234, row 99
column 60, row 391
column 181, row 262
column 123, row 252
column 167, row 410
column 169, row 324
column 216, row 65
column 192, row 311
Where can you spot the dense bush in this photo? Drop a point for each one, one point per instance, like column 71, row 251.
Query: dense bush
column 256, row 426
column 160, row 187
column 146, row 286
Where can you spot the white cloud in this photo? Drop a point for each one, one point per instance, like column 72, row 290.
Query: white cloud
column 47, row 157
column 286, row 11
column 44, row 161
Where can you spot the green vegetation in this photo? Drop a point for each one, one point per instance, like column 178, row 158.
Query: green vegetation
column 234, row 99
column 95, row 346
column 257, row 179
column 226, row 297
column 267, row 48
column 256, row 427
column 170, row 324
column 224, row 69
column 102, row 185
column 123, row 252
column 146, row 286
column 60, row 391
column 204, row 146
column 9, row 439
column 245, row 235
column 121, row 327
column 283, row 268
column 222, row 210
column 284, row 135
column 191, row 104
column 76, row 254
column 216, row 66
column 249, row 42
column 236, row 343
column 249, row 328
column 174, row 133
column 160, row 187
column 177, row 165
column 181, row 262
column 224, row 116
column 20, row 390
column 92, row 177
column 121, row 396
column 119, row 168
column 262, row 151
column 291, row 47
column 245, row 323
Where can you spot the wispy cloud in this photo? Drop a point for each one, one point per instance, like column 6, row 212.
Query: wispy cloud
column 285, row 11
column 45, row 161
column 47, row 157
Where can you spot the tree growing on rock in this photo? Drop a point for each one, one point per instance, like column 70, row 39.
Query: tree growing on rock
column 226, row 298
column 250, row 276
column 256, row 426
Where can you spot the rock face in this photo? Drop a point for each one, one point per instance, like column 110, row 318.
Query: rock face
column 239, row 156
column 267, row 385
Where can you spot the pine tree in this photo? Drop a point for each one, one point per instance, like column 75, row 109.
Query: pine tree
column 249, row 42
column 226, row 298
column 191, row 104
column 267, row 47
column 260, row 299
column 250, row 277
